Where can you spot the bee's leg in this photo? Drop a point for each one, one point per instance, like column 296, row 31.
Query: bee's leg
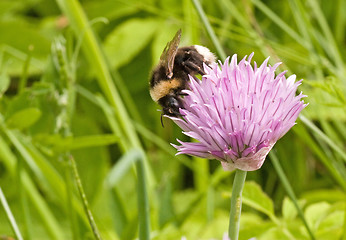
column 193, row 67
column 194, row 62
column 182, row 94
column 175, row 113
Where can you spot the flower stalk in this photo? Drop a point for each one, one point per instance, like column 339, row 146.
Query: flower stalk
column 236, row 203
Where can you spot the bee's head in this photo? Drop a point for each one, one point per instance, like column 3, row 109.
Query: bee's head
column 170, row 105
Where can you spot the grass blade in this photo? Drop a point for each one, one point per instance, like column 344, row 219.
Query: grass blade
column 10, row 216
column 52, row 226
column 323, row 136
column 289, row 190
column 209, row 28
column 121, row 167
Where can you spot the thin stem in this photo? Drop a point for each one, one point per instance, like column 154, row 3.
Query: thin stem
column 10, row 216
column 66, row 89
column 289, row 190
column 84, row 200
column 69, row 193
column 236, row 203
column 143, row 203
column 24, row 78
column 209, row 28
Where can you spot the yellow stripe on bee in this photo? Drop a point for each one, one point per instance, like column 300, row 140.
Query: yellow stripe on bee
column 163, row 88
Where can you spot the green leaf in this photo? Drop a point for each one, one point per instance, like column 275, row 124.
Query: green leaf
column 315, row 213
column 60, row 144
column 126, row 41
column 19, row 36
column 289, row 211
column 24, row 118
column 91, row 141
column 275, row 233
column 332, row 225
column 254, row 197
column 252, row 225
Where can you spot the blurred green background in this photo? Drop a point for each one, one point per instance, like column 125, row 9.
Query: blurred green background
column 57, row 100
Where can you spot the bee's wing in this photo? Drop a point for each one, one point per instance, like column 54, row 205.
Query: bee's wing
column 168, row 54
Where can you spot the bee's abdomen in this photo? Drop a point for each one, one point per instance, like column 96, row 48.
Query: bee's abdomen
column 164, row 87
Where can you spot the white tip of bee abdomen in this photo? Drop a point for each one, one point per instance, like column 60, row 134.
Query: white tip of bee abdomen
column 209, row 57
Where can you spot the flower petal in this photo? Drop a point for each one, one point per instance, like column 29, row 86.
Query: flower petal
column 237, row 112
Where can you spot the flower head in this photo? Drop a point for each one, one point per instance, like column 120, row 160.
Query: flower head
column 237, row 112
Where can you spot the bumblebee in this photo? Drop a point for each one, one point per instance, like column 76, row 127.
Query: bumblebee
column 171, row 75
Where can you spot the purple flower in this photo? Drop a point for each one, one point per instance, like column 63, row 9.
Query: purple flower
column 237, row 112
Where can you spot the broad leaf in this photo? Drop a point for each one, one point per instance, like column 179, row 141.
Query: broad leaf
column 126, row 41
column 315, row 213
column 24, row 118
column 254, row 197
column 289, row 211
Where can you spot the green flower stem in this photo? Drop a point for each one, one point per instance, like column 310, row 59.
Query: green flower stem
column 10, row 216
column 289, row 190
column 236, row 202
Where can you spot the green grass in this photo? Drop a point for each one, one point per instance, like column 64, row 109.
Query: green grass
column 74, row 85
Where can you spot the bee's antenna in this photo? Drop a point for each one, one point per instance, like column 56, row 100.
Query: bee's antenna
column 159, row 110
column 162, row 121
